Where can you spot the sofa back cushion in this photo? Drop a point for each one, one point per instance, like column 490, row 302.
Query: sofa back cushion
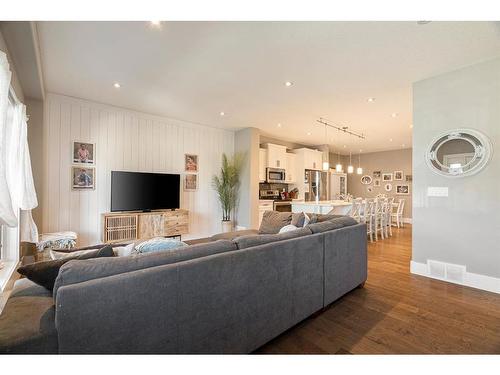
column 244, row 242
column 76, row 272
column 273, row 221
column 336, row 223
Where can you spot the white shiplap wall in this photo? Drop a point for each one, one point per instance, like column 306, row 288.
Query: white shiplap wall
column 125, row 140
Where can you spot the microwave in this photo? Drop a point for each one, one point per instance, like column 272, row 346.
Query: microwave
column 275, row 175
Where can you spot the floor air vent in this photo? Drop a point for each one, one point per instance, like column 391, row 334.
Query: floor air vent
column 447, row 271
column 437, row 269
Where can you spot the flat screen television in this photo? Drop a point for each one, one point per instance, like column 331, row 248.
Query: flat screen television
column 138, row 191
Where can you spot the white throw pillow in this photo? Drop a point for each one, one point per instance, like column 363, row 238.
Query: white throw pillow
column 124, row 251
column 56, row 255
column 307, row 219
column 288, row 228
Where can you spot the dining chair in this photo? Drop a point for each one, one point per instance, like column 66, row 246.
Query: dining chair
column 388, row 216
column 398, row 215
column 378, row 216
column 367, row 217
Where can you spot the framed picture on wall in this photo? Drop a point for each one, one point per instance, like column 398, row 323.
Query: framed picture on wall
column 366, row 180
column 369, row 189
column 398, row 175
column 402, row 189
column 191, row 182
column 387, row 177
column 376, row 182
column 190, row 163
column 409, row 178
column 377, row 174
column 388, row 187
column 83, row 178
column 83, row 153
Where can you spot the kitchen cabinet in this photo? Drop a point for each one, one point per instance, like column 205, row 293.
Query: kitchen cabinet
column 276, row 156
column 291, row 168
column 262, row 164
column 338, row 185
column 309, row 159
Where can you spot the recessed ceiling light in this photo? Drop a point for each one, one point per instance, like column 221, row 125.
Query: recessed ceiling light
column 371, row 100
column 116, row 85
column 411, row 126
column 403, row 145
column 390, row 139
column 155, row 23
column 308, row 133
column 345, row 146
column 394, row 115
column 423, row 22
column 288, row 83
column 222, row 113
column 279, row 125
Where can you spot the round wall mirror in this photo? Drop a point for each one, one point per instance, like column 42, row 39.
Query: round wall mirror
column 366, row 180
column 459, row 153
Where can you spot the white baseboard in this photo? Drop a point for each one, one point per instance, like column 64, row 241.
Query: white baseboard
column 473, row 280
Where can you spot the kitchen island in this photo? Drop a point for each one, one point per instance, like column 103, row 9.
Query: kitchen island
column 338, row 207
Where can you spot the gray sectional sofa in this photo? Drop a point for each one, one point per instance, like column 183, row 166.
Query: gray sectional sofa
column 224, row 296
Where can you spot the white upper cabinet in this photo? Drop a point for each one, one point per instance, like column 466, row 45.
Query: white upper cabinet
column 309, row 159
column 276, row 156
column 262, row 164
column 291, row 168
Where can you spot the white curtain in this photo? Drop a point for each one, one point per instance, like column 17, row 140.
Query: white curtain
column 7, row 215
column 17, row 190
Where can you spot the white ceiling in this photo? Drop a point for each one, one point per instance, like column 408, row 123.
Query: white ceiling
column 194, row 70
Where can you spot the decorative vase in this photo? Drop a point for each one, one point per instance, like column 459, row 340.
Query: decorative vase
column 227, row 226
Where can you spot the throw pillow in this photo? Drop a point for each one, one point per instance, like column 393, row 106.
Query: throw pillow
column 298, row 219
column 45, row 273
column 273, row 221
column 288, row 228
column 54, row 254
column 307, row 219
column 124, row 251
column 157, row 244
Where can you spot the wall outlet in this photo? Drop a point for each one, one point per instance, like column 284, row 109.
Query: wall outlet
column 437, row 191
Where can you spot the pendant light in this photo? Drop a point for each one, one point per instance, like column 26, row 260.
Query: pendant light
column 326, row 163
column 359, row 170
column 350, row 168
column 338, row 167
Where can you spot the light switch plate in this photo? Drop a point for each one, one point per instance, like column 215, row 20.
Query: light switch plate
column 437, row 191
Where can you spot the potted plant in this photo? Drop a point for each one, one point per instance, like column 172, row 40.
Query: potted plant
column 227, row 185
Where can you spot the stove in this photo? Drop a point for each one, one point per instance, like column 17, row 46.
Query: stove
column 279, row 204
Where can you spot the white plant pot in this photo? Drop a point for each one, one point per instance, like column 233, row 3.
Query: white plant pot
column 227, row 226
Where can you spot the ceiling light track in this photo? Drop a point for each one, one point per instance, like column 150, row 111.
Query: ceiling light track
column 343, row 129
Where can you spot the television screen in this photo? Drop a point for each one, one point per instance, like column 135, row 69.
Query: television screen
column 131, row 191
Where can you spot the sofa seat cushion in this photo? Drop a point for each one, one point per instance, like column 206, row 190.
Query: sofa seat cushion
column 336, row 223
column 232, row 235
column 77, row 272
column 27, row 323
column 244, row 242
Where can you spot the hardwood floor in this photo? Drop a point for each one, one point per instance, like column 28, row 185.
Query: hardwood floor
column 399, row 313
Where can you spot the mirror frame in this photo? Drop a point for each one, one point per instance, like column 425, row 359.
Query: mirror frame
column 485, row 150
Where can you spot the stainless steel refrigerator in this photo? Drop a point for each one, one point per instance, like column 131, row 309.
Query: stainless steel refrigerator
column 316, row 185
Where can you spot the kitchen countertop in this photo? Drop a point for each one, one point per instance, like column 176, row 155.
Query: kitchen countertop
column 322, row 203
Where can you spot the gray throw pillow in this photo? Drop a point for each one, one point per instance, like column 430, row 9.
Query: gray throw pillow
column 45, row 273
column 298, row 219
column 273, row 221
